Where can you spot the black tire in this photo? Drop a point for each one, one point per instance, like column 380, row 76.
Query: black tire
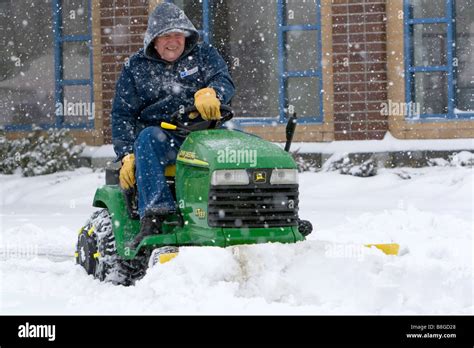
column 305, row 227
column 96, row 252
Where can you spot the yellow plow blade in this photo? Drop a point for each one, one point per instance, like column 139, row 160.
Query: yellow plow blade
column 162, row 255
column 389, row 249
column 167, row 257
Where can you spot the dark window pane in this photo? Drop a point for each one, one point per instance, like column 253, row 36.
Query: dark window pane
column 431, row 92
column 26, row 62
column 76, row 60
column 247, row 39
column 300, row 12
column 465, row 54
column 77, row 107
column 193, row 10
column 428, row 8
column 303, row 96
column 301, row 50
column 75, row 15
column 429, row 44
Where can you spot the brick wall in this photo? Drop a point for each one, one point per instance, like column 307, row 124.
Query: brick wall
column 122, row 25
column 359, row 61
column 360, row 68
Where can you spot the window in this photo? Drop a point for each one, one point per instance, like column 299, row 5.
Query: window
column 439, row 55
column 300, row 59
column 46, row 66
column 197, row 12
column 246, row 36
column 27, row 63
column 465, row 55
column 74, row 105
column 273, row 50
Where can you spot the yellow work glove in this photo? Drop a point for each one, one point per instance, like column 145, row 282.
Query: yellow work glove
column 207, row 104
column 127, row 172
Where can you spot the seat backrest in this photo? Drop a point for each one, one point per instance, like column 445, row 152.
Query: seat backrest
column 112, row 176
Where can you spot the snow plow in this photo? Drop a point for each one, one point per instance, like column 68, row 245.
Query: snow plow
column 231, row 188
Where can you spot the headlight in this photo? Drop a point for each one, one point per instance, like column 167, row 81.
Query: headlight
column 284, row 176
column 230, row 177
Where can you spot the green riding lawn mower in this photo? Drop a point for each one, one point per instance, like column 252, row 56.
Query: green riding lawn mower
column 230, row 187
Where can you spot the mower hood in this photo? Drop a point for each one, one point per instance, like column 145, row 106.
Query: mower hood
column 230, row 149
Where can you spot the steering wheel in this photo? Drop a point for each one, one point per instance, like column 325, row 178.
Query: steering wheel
column 177, row 119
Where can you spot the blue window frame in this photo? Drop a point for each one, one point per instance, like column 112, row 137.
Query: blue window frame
column 60, row 82
column 286, row 74
column 431, row 70
column 302, row 80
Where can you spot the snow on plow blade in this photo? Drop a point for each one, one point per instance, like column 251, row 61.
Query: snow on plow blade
column 167, row 257
column 162, row 255
column 389, row 249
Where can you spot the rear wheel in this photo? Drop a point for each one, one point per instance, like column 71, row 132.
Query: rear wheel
column 96, row 252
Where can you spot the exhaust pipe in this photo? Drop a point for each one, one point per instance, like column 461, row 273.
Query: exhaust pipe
column 290, row 131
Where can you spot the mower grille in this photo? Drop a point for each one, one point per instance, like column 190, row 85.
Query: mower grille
column 253, row 206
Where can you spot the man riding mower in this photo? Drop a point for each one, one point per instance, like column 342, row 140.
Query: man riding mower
column 224, row 196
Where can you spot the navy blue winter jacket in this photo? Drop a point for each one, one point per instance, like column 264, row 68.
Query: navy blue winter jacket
column 150, row 89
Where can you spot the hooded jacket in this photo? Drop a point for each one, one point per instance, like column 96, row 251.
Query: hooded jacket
column 150, row 89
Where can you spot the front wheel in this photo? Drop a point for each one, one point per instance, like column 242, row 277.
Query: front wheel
column 305, row 227
column 97, row 254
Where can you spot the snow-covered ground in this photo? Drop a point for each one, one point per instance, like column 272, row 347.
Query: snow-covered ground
column 430, row 215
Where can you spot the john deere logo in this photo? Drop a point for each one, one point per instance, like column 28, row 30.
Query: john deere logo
column 260, row 177
column 200, row 213
column 187, row 155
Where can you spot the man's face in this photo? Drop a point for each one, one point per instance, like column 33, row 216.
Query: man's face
column 170, row 46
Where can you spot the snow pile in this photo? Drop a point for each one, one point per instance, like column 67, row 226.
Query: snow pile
column 44, row 213
column 463, row 159
column 310, row 277
column 103, row 151
column 429, row 214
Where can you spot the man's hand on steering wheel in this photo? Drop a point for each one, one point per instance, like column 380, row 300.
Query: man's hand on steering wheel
column 208, row 105
column 178, row 123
